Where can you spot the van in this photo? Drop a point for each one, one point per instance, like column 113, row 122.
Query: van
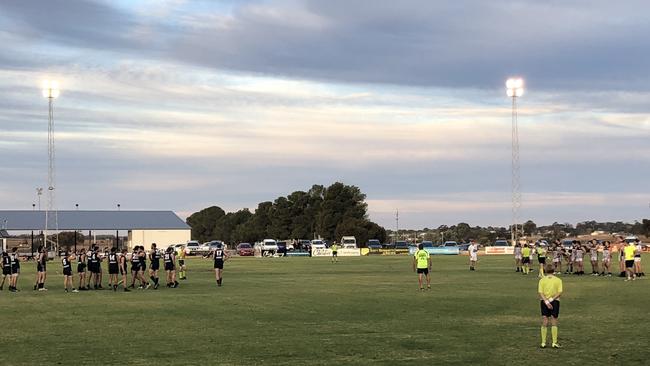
column 349, row 242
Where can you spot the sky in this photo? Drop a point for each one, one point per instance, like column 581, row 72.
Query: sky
column 183, row 105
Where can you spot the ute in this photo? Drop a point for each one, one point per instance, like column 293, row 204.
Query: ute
column 349, row 242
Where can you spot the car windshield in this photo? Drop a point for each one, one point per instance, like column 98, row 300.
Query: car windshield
column 317, row 242
column 245, row 245
column 192, row 244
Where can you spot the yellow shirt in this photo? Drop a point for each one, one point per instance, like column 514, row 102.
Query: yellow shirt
column 422, row 257
column 541, row 252
column 335, row 247
column 525, row 252
column 629, row 252
column 550, row 286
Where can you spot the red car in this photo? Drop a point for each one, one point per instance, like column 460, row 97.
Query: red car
column 245, row 249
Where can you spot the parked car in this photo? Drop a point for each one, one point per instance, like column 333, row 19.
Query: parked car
column 192, row 247
column 463, row 247
column 450, row 243
column 304, row 245
column 373, row 244
column 282, row 247
column 318, row 244
column 401, row 245
column 210, row 246
column 388, row 246
column 427, row 244
column 501, row 243
column 269, row 246
column 245, row 249
column 349, row 242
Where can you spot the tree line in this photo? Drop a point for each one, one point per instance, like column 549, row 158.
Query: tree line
column 463, row 232
column 321, row 212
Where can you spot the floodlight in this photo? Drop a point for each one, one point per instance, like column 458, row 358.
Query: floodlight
column 51, row 89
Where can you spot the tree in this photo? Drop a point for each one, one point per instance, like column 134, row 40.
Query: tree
column 529, row 228
column 67, row 239
column 204, row 222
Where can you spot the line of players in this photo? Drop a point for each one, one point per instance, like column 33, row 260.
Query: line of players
column 573, row 256
column 89, row 268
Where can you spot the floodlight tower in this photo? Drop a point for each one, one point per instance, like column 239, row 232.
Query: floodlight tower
column 515, row 89
column 51, row 92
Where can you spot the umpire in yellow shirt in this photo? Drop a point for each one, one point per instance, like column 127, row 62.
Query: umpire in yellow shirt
column 422, row 262
column 550, row 290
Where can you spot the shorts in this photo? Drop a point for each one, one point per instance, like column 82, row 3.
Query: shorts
column 81, row 268
column 555, row 312
column 578, row 259
column 594, row 259
column 636, row 260
column 334, row 254
column 113, row 269
column 135, row 268
column 6, row 271
column 143, row 267
column 16, row 269
column 423, row 270
column 218, row 264
column 155, row 266
column 518, row 257
column 526, row 260
column 67, row 271
column 181, row 262
column 40, row 267
column 629, row 264
column 95, row 268
column 473, row 257
column 556, row 260
column 541, row 260
column 122, row 271
column 169, row 266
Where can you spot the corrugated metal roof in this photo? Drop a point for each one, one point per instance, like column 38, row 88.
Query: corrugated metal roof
column 93, row 220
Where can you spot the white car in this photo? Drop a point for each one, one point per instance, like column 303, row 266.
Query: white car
column 192, row 247
column 317, row 244
column 269, row 245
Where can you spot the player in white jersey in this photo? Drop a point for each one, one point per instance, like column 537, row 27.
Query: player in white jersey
column 557, row 259
column 607, row 260
column 593, row 254
column 533, row 253
column 518, row 257
column 637, row 259
column 579, row 253
column 473, row 254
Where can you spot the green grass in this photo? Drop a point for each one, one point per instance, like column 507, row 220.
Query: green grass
column 307, row 311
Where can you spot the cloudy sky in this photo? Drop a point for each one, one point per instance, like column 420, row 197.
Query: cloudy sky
column 185, row 104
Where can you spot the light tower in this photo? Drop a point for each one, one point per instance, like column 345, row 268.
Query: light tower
column 51, row 92
column 515, row 89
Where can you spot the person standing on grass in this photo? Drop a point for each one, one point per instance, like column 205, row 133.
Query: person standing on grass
column 135, row 266
column 629, row 252
column 15, row 269
column 81, row 269
column 113, row 269
column 518, row 257
column 621, row 244
column 41, row 269
column 6, row 269
column 154, row 257
column 335, row 249
column 637, row 259
column 525, row 252
column 473, row 254
column 181, row 264
column 143, row 267
column 541, row 258
column 170, row 267
column 422, row 262
column 593, row 254
column 549, row 290
column 607, row 260
column 123, row 266
column 557, row 258
column 579, row 257
column 66, row 264
column 220, row 256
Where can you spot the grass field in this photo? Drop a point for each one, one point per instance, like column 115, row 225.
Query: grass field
column 307, row 311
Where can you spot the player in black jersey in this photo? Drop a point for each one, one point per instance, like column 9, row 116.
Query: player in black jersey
column 135, row 265
column 143, row 267
column 15, row 269
column 113, row 269
column 66, row 262
column 220, row 256
column 123, row 269
column 41, row 269
column 94, row 268
column 6, row 269
column 81, row 268
column 170, row 267
column 154, row 257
